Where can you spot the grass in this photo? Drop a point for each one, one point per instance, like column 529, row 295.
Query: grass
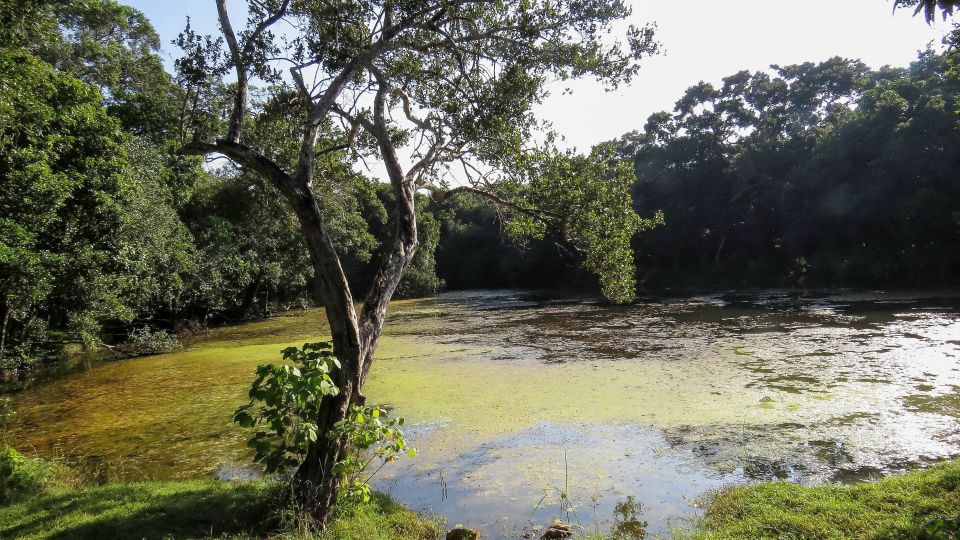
column 922, row 505
column 149, row 510
column 382, row 519
column 22, row 477
column 917, row 505
column 196, row 509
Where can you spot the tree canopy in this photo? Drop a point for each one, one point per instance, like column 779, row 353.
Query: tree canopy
column 62, row 190
column 820, row 173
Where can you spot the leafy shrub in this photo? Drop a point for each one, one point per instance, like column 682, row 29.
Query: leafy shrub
column 16, row 363
column 289, row 399
column 285, row 402
column 146, row 341
column 374, row 438
column 22, row 477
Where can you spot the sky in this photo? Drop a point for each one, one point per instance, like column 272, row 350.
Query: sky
column 703, row 40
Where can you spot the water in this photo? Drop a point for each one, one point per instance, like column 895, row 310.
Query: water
column 524, row 406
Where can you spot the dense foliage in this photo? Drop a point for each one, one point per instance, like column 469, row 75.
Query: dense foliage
column 816, row 174
column 62, row 195
column 106, row 232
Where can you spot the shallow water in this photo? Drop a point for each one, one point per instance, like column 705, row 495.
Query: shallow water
column 513, row 398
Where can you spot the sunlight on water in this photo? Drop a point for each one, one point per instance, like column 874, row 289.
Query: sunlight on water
column 514, row 398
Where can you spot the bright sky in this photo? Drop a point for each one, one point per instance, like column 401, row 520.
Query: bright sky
column 703, row 40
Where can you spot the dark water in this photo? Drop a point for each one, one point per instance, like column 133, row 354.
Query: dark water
column 526, row 408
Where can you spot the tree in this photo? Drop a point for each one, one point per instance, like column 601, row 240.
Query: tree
column 929, row 7
column 62, row 191
column 465, row 75
column 158, row 252
column 821, row 173
column 103, row 43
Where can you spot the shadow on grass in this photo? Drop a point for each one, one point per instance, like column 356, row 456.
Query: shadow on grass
column 149, row 510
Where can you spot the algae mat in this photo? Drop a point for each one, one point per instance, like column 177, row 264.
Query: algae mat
column 514, row 398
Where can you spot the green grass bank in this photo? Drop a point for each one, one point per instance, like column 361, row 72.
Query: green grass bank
column 40, row 500
column 918, row 505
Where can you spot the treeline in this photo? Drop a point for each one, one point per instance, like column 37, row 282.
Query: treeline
column 818, row 174
column 826, row 174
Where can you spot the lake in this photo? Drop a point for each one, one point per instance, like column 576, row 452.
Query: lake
column 527, row 406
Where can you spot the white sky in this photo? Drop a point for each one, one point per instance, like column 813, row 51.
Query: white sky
column 708, row 40
column 702, row 39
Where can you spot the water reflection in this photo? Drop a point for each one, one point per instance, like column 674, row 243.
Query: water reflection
column 627, row 524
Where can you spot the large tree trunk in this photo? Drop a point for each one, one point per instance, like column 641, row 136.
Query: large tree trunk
column 315, row 485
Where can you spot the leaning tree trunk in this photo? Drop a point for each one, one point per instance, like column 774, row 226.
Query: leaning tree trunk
column 315, row 485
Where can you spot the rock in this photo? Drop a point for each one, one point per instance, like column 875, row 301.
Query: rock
column 463, row 533
column 558, row 531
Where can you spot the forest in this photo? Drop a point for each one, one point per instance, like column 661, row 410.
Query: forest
column 822, row 174
column 150, row 207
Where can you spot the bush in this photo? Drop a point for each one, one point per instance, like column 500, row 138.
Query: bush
column 22, row 477
column 285, row 402
column 17, row 363
column 146, row 341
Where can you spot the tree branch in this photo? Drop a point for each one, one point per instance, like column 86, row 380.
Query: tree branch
column 243, row 84
column 442, row 195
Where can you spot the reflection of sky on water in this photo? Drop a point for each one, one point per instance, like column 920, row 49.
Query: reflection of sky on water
column 862, row 385
column 505, row 486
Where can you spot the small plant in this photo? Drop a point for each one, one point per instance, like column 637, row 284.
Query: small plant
column 289, row 398
column 285, row 402
column 567, row 507
column 21, row 476
column 144, row 340
column 373, row 438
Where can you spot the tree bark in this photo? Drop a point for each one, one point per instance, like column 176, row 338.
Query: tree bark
column 315, row 486
column 3, row 331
